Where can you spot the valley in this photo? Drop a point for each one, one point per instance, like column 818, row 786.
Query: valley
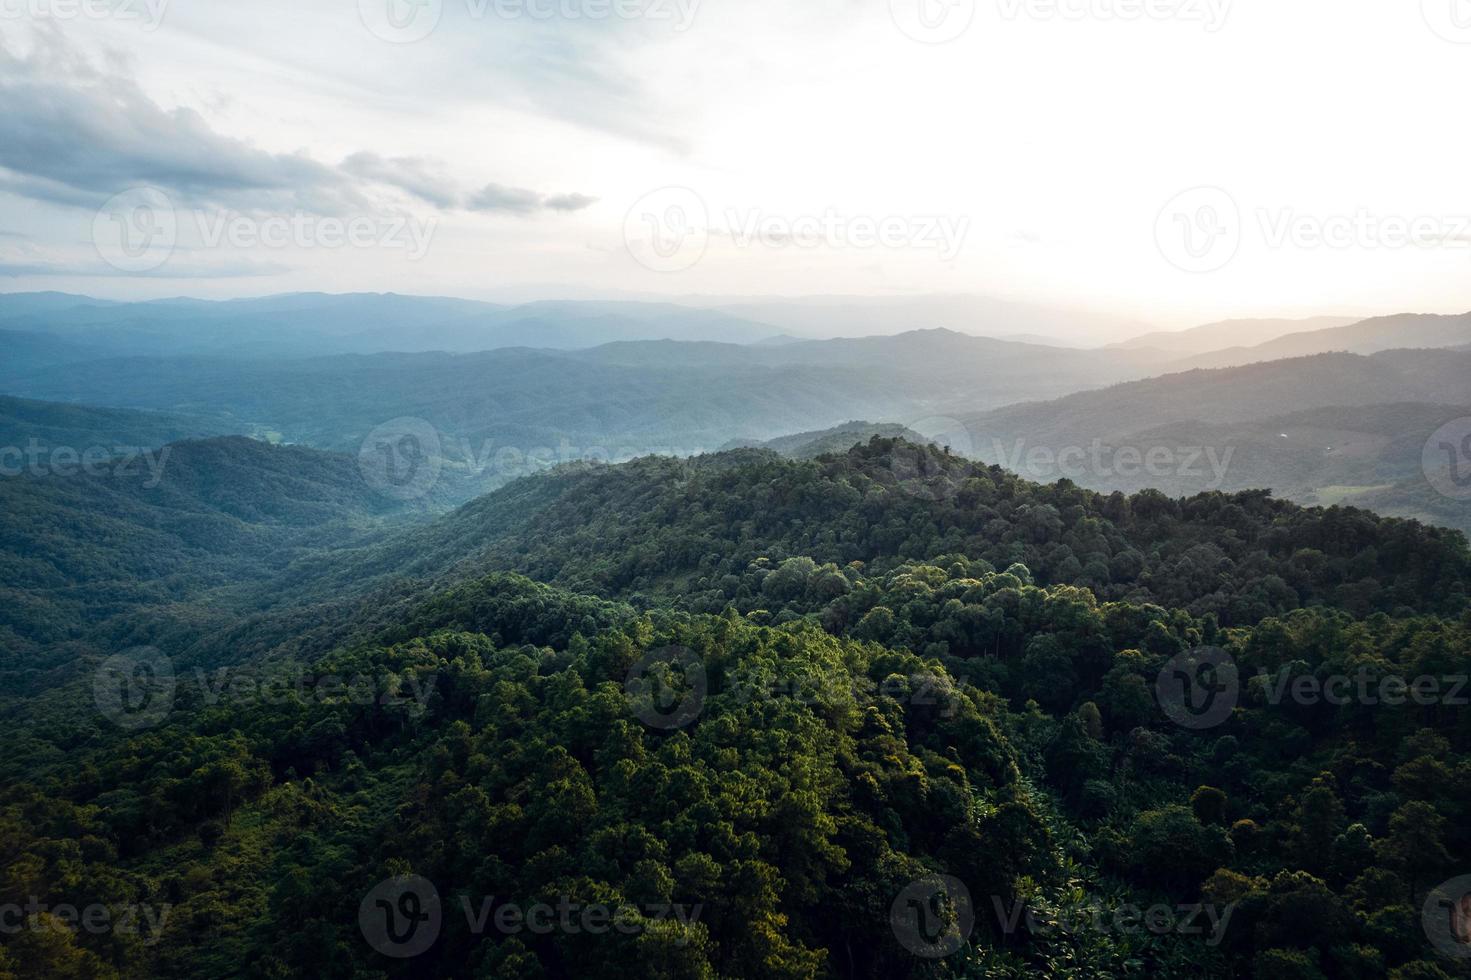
column 759, row 662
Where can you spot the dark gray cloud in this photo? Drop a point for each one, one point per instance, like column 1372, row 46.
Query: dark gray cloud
column 72, row 132
column 76, row 133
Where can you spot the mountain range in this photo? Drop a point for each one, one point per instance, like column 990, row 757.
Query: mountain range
column 264, row 691
column 1318, row 410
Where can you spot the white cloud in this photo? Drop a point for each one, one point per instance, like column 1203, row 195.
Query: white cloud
column 1076, row 129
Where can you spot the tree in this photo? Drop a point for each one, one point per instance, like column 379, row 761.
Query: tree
column 1209, row 805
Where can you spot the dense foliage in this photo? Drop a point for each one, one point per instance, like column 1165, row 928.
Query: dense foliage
column 907, row 666
column 698, row 531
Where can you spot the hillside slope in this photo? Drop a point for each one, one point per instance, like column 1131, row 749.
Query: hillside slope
column 777, row 757
column 1325, row 429
column 84, row 554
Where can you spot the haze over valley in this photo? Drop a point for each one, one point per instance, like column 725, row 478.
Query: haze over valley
column 734, row 490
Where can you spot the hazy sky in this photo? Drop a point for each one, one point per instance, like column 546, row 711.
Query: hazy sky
column 1171, row 160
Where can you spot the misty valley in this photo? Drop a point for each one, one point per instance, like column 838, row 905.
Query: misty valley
column 713, row 490
column 647, row 658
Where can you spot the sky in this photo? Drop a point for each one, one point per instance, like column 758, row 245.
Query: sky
column 1168, row 161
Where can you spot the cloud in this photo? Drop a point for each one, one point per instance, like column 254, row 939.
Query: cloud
column 518, row 200
column 569, row 202
column 424, row 179
column 494, row 197
column 75, row 133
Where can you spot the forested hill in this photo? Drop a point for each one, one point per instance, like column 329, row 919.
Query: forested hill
column 783, row 705
column 252, row 539
column 165, row 530
column 25, row 423
column 695, row 531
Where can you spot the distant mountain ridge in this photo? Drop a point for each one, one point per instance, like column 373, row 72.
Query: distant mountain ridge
column 838, row 439
column 624, row 398
column 1402, row 331
column 51, row 424
column 1329, row 428
column 1244, row 393
column 315, row 324
column 1229, row 333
